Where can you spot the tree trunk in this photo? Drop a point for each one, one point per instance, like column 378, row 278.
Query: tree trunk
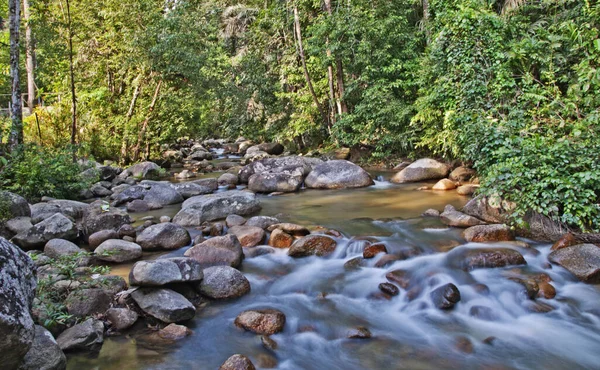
column 332, row 98
column 16, row 132
column 125, row 144
column 30, row 63
column 72, row 77
column 303, row 60
column 142, row 133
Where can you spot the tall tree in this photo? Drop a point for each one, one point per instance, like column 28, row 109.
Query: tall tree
column 72, row 77
column 14, row 19
column 30, row 52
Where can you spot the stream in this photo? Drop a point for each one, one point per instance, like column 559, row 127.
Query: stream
column 494, row 326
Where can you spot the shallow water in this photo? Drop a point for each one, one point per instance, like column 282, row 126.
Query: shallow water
column 323, row 300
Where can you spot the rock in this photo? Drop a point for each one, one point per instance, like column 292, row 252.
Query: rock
column 163, row 236
column 17, row 291
column 201, row 155
column 199, row 209
column 469, row 189
column 121, row 318
column 87, row 302
column 185, row 174
column 101, row 216
column 235, row 220
column 341, row 153
column 567, row 240
column 444, row 184
column 228, row 179
column 69, row 208
column 359, row 332
column 257, row 251
column 162, row 194
column 264, row 322
column 446, row 296
column 248, row 236
column 490, row 210
column 164, row 219
column 87, row 336
column 57, row 248
column 110, row 284
column 144, row 170
column 100, row 191
column 372, row 250
column 261, row 221
column 582, row 260
column 17, row 225
column 268, row 342
column 546, row 290
column 473, row 258
column 292, row 229
column 218, row 251
column 312, row 245
column 223, row 282
column 386, row 260
column 13, row 205
column 127, row 231
column 174, row 332
column 423, row 169
column 57, row 226
column 268, row 164
column 216, row 229
column 338, row 174
column 482, row 313
column 431, row 213
column 237, row 362
column 452, row 217
column 463, row 344
column 118, row 251
column 270, row 148
column 280, row 239
column 165, row 271
column 164, row 304
column 138, row 205
column 462, row 174
column 530, row 287
column 101, row 236
column 389, row 288
column 488, row 233
column 275, row 182
column 44, row 354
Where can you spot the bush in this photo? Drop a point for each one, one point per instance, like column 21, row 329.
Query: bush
column 34, row 172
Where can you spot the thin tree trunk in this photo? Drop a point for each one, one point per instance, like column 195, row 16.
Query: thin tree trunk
column 332, row 98
column 303, row 59
column 72, row 77
column 16, row 132
column 343, row 107
column 426, row 20
column 142, row 133
column 134, row 98
column 30, row 63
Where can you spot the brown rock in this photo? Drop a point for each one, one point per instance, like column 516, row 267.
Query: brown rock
column 444, row 184
column 319, row 245
column 582, row 260
column 174, row 332
column 386, row 260
column 468, row 189
column 530, row 286
column 488, row 233
column 265, row 322
column 400, row 277
column 472, row 258
column 280, row 239
column 101, row 236
column 221, row 250
column 249, row 236
column 463, row 344
column 389, row 288
column 372, row 250
column 446, row 296
column 268, row 342
column 546, row 290
column 452, row 217
column 292, row 229
column 237, row 362
column 567, row 240
column 461, row 174
column 360, row 332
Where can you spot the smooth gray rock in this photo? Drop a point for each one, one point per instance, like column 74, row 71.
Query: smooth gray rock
column 235, row 220
column 223, row 282
column 165, row 235
column 87, row 302
column 18, row 225
column 275, row 182
column 57, row 226
column 121, row 318
column 452, row 217
column 87, row 336
column 338, row 174
column 162, row 194
column 582, row 260
column 14, row 205
column 101, row 216
column 228, row 179
column 218, row 251
column 421, row 170
column 101, row 236
column 144, row 170
column 118, row 251
column 269, row 164
column 57, row 248
column 262, row 221
column 45, row 353
column 69, row 208
column 196, row 210
column 164, row 304
column 165, row 271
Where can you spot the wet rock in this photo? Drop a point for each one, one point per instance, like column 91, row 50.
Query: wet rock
column 235, row 220
column 248, row 236
column 228, row 179
column 423, row 169
column 463, row 344
column 567, row 240
column 44, row 354
column 482, row 313
column 354, row 263
column 372, row 250
column 280, row 239
column 359, row 332
column 17, row 291
column 87, row 336
column 490, row 210
column 389, row 288
column 338, row 174
column 185, row 174
column 318, row 245
column 223, row 282
column 268, row 342
column 165, row 271
column 70, row 208
column 128, row 231
column 270, row 148
column 101, row 236
column 472, row 258
column 174, row 332
column 452, row 217
column 121, row 318
column 462, row 174
column 199, row 209
column 164, row 304
column 14, row 205
column 144, row 170
column 257, row 251
column 138, row 205
column 216, row 229
column 237, row 362
column 87, row 302
column 444, row 184
column 468, row 189
column 195, row 188
column 163, row 236
column 400, row 277
column 546, row 290
column 431, row 213
column 263, row 222
column 222, row 250
column 446, row 296
column 118, row 251
column 268, row 164
column 100, row 191
column 264, row 322
column 386, row 260
column 582, row 260
column 292, row 229
column 161, row 194
column 101, row 216
column 57, row 248
column 57, row 226
column 488, row 233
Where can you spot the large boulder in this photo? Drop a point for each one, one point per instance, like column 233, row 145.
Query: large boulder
column 269, row 164
column 162, row 194
column 265, row 322
column 270, row 148
column 489, row 233
column 44, row 354
column 101, row 236
column 101, row 216
column 446, row 296
column 249, row 236
column 11, row 206
column 338, row 174
column 165, row 271
column 267, row 182
column 421, row 170
column 165, row 235
column 237, row 362
column 452, row 217
column 56, row 227
column 462, row 174
column 69, row 208
column 194, row 188
column 262, row 221
column 118, row 251
column 223, row 282
column 196, row 210
column 57, row 248
column 87, row 336
column 582, row 260
column 309, row 245
column 17, row 290
column 144, row 170
column 218, row 251
column 472, row 258
column 87, row 302
column 121, row 318
column 164, row 304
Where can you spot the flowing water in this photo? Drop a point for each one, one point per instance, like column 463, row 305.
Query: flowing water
column 323, row 300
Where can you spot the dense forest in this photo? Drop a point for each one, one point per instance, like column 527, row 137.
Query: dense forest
column 511, row 87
